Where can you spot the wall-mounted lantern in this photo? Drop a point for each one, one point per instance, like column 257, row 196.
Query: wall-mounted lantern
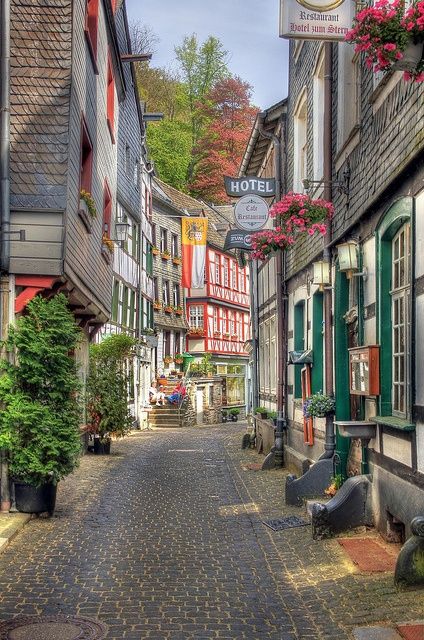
column 321, row 274
column 348, row 253
column 122, row 229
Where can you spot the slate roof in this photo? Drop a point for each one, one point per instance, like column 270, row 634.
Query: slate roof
column 217, row 215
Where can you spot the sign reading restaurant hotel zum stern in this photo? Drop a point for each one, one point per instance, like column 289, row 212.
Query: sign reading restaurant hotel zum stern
column 316, row 19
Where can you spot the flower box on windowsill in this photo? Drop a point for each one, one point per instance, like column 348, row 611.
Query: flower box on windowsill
column 234, row 337
column 178, row 312
column 165, row 256
column 155, row 251
column 226, row 335
column 85, row 215
column 217, row 334
column 176, row 260
column 157, row 306
column 196, row 333
column 168, row 309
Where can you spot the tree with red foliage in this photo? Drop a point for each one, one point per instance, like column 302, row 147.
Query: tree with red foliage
column 229, row 118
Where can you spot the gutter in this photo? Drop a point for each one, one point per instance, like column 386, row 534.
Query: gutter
column 5, row 135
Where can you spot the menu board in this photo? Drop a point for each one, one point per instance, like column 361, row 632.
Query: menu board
column 364, row 370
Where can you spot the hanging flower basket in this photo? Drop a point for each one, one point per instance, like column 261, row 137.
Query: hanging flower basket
column 295, row 214
column 390, row 38
column 318, row 405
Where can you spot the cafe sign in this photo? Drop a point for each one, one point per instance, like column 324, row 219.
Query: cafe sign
column 316, row 19
column 251, row 213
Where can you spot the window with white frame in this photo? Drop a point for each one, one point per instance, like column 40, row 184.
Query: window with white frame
column 400, row 294
column 232, row 323
column 272, row 357
column 163, row 240
column 226, row 272
column 217, row 269
column 215, row 320
column 300, row 143
column 176, row 294
column 196, row 316
column 234, row 275
column 318, row 115
column 349, row 93
column 165, row 292
column 174, row 245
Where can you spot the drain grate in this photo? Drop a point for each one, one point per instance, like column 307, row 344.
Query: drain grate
column 52, row 628
column 290, row 522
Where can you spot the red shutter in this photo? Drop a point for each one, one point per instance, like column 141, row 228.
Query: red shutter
column 86, row 165
column 91, row 24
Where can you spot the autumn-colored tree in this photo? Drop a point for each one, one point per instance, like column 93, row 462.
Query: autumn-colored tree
column 229, row 115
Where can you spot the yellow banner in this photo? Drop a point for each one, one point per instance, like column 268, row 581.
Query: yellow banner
column 194, row 231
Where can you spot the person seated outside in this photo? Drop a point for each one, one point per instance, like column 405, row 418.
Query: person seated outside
column 156, row 396
column 178, row 393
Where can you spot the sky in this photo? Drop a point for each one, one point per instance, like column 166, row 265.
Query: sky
column 248, row 30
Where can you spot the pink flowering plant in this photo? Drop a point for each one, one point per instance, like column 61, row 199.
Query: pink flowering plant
column 294, row 214
column 383, row 31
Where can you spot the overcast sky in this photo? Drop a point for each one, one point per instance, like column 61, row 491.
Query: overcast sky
column 248, row 30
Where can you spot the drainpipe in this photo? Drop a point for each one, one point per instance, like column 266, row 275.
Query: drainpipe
column 330, row 439
column 4, row 207
column 281, row 308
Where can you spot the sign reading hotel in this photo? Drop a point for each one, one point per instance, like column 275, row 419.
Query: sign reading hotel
column 316, row 19
column 238, row 187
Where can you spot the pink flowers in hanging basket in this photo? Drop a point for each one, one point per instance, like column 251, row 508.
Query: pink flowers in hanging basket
column 294, row 214
column 384, row 31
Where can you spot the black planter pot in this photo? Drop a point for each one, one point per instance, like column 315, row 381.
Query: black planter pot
column 31, row 499
column 224, row 418
column 101, row 448
column 234, row 418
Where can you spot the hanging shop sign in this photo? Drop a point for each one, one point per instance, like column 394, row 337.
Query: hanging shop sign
column 316, row 19
column 238, row 239
column 251, row 213
column 237, row 187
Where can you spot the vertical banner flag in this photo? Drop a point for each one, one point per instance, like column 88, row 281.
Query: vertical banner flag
column 194, row 234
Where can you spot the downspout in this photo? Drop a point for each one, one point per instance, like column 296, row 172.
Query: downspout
column 4, row 209
column 330, row 439
column 281, row 308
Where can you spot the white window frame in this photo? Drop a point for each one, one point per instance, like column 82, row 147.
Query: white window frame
column 318, row 115
column 196, row 319
column 300, row 156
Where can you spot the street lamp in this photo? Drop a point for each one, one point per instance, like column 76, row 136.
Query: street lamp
column 321, row 274
column 349, row 260
column 122, row 229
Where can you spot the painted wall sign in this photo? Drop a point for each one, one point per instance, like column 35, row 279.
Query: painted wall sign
column 238, row 239
column 316, row 19
column 238, row 187
column 251, row 213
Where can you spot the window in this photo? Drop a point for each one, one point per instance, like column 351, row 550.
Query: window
column 110, row 99
column 348, row 95
column 115, row 300
column 107, row 209
column 217, row 270
column 154, row 235
column 163, row 240
column 91, row 27
column 318, row 112
column 137, row 174
column 165, row 292
column 299, row 343
column 317, row 372
column 300, row 144
column 242, row 280
column 226, row 272
column 127, row 160
column 166, row 343
column 272, row 357
column 232, row 323
column 177, row 343
column 400, row 294
column 174, row 245
column 216, row 323
column 394, row 313
column 86, row 158
column 176, row 294
column 234, row 276
column 124, row 316
column 155, row 288
column 196, row 316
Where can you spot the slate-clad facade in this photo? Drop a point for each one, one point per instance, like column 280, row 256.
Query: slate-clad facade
column 377, row 191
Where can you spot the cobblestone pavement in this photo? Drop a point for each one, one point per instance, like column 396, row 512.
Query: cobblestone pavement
column 164, row 539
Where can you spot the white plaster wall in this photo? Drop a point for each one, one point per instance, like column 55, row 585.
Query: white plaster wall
column 397, row 449
column 370, row 331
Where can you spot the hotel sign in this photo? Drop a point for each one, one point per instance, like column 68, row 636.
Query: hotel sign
column 316, row 19
column 237, row 187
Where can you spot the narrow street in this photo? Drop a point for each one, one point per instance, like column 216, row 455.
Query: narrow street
column 164, row 539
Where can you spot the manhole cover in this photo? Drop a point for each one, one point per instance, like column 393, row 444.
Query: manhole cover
column 290, row 522
column 58, row 627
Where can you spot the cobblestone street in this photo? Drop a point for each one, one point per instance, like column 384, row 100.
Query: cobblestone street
column 164, row 539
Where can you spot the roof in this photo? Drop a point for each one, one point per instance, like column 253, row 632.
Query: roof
column 217, row 216
column 257, row 146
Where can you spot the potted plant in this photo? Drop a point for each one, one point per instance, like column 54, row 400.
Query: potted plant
column 168, row 359
column 196, row 331
column 318, row 405
column 178, row 310
column 234, row 413
column 262, row 412
column 108, row 248
column 107, row 391
column 40, row 409
column 178, row 358
column 294, row 214
column 224, row 415
column 87, row 209
column 155, row 251
column 165, row 255
column 157, row 305
column 391, row 38
column 272, row 415
column 168, row 308
column 336, row 483
column 176, row 260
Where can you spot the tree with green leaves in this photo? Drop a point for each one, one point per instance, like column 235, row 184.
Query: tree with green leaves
column 40, row 413
column 107, row 387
